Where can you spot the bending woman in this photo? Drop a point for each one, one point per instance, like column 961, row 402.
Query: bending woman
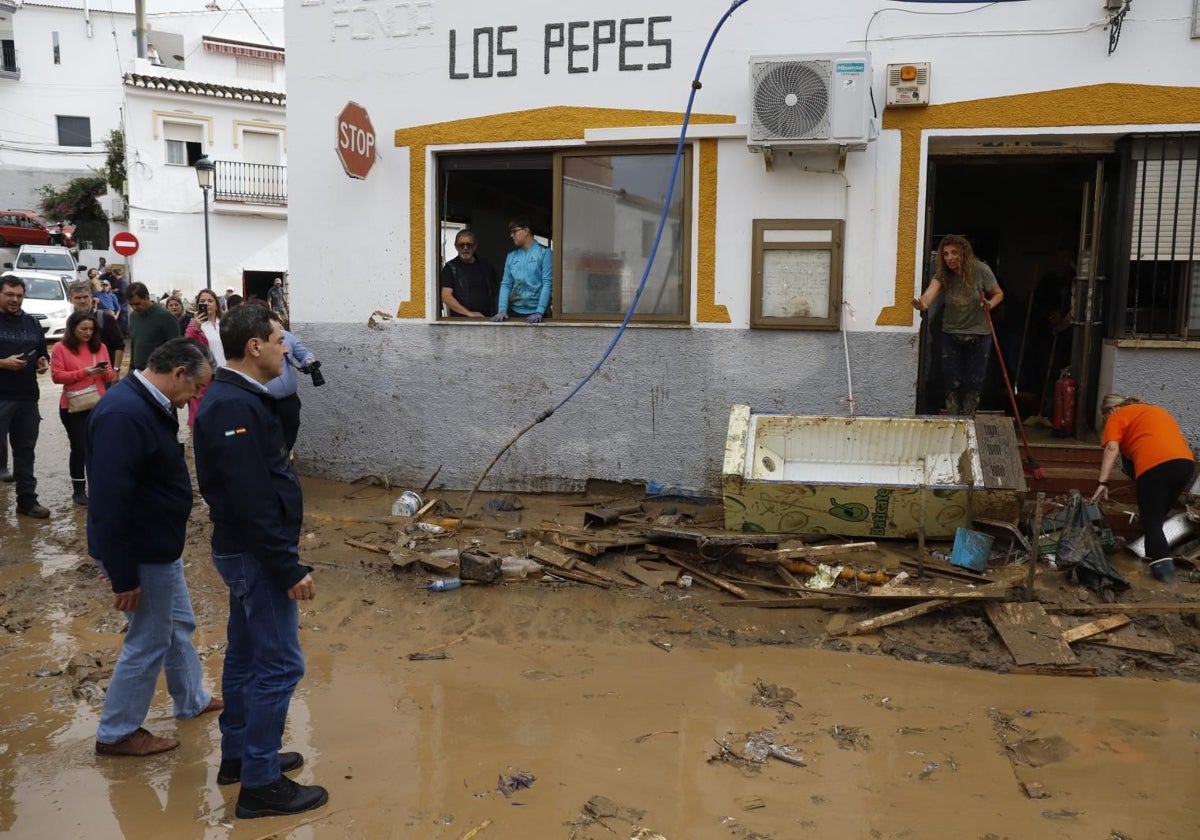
column 1163, row 463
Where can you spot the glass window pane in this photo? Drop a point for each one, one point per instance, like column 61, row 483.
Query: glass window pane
column 610, row 210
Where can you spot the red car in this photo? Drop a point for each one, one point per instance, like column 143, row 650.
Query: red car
column 24, row 227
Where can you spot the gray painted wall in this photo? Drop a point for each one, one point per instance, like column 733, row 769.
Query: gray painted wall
column 1165, row 377
column 405, row 399
column 19, row 185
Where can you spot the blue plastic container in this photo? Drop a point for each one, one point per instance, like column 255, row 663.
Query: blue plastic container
column 971, row 549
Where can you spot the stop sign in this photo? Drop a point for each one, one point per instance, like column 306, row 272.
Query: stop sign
column 355, row 140
column 125, row 244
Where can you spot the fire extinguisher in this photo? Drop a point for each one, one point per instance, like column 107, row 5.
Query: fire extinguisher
column 1064, row 404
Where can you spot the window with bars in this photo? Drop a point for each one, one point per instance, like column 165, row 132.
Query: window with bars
column 1163, row 286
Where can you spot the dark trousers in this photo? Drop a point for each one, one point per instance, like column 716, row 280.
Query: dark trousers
column 289, row 417
column 964, row 366
column 19, row 423
column 1157, row 490
column 76, row 426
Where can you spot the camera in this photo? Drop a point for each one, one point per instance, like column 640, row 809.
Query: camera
column 313, row 369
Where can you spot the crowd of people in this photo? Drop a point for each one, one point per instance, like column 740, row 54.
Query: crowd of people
column 233, row 365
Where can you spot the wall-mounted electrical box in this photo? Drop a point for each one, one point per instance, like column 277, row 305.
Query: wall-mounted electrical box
column 908, row 84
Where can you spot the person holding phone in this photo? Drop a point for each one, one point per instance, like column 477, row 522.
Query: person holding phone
column 81, row 365
column 22, row 357
column 206, row 329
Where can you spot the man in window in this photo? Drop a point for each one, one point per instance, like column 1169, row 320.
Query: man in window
column 525, row 288
column 468, row 284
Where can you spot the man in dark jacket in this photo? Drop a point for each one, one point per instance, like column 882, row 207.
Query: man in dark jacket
column 135, row 463
column 256, row 508
column 22, row 357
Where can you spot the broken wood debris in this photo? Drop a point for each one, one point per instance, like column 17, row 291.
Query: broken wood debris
column 888, row 619
column 779, row 555
column 1093, row 628
column 366, row 546
column 682, row 561
column 1029, row 634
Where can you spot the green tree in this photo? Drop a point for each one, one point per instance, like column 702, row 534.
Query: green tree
column 75, row 201
column 114, row 164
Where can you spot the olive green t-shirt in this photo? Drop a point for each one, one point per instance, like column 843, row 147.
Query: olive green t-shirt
column 963, row 314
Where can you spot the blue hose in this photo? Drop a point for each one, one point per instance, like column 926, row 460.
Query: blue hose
column 662, row 223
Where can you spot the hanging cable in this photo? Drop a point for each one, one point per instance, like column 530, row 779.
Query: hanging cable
column 662, row 223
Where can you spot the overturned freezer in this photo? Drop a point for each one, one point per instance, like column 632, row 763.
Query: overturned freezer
column 869, row 476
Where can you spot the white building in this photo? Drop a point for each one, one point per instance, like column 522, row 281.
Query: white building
column 1042, row 130
column 212, row 85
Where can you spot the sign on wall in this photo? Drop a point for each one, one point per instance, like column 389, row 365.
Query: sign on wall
column 355, row 140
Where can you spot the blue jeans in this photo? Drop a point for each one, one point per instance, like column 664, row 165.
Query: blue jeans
column 263, row 664
column 19, row 423
column 159, row 639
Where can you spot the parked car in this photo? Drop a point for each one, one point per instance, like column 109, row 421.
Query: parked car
column 24, row 227
column 56, row 259
column 46, row 299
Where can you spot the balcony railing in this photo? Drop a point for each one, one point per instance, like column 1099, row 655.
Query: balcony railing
column 251, row 183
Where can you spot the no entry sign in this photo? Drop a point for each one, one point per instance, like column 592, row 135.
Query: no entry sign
column 125, row 244
column 355, row 140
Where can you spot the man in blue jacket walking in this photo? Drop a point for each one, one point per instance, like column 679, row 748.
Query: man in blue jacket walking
column 256, row 508
column 135, row 463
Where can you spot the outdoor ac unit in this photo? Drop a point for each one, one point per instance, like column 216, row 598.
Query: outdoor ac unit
column 908, row 84
column 120, row 212
column 803, row 101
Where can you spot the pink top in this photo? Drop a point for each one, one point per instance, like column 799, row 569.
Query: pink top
column 67, row 369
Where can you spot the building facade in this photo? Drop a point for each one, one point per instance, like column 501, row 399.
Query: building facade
column 825, row 157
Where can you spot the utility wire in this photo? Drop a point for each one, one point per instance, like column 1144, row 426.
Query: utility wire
column 662, row 223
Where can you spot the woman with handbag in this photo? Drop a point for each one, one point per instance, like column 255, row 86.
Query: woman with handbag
column 81, row 365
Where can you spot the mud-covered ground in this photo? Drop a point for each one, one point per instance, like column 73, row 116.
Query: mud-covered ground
column 561, row 710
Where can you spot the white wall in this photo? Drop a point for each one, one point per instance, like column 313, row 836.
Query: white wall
column 395, row 61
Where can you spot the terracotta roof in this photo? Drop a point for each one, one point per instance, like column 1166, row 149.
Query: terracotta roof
column 176, row 85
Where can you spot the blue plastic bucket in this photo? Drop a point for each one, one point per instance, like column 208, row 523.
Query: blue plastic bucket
column 971, row 549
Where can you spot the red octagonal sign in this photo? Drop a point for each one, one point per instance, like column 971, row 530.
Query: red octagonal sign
column 125, row 244
column 355, row 140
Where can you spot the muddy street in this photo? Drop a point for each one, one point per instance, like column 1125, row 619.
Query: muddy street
column 562, row 710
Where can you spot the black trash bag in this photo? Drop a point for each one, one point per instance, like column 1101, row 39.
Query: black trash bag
column 1079, row 551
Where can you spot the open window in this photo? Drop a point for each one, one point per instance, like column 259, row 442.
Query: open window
column 185, row 143
column 598, row 210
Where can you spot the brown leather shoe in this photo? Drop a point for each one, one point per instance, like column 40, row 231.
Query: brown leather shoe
column 214, row 705
column 140, row 743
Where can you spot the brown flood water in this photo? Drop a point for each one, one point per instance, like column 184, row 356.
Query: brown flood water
column 563, row 684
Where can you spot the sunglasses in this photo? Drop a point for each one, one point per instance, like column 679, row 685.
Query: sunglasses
column 511, row 231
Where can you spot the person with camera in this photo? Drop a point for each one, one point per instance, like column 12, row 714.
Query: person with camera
column 205, row 328
column 81, row 365
column 284, row 387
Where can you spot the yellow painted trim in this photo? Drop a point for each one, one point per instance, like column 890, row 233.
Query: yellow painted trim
column 708, row 311
column 1092, row 105
column 541, row 125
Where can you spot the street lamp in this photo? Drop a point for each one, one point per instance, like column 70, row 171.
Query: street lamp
column 204, row 176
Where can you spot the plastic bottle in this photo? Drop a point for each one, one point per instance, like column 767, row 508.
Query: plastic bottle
column 443, row 585
column 519, row 568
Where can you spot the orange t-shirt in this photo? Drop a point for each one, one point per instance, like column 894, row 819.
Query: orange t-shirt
column 1148, row 436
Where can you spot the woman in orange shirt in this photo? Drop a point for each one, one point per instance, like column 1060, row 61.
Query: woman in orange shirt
column 77, row 362
column 1148, row 436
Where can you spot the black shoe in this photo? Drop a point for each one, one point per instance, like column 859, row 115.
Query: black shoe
column 34, row 510
column 79, row 493
column 231, row 768
column 1163, row 570
column 280, row 798
column 6, row 474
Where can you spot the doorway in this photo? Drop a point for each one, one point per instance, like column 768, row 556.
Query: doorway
column 1037, row 221
column 256, row 284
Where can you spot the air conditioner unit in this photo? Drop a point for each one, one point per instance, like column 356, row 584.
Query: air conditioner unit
column 810, row 101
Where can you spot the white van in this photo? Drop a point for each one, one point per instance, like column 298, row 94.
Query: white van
column 46, row 258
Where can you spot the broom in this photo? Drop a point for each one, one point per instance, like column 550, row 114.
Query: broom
column 1037, row 471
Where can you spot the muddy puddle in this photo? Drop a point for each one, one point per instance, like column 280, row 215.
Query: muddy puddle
column 566, row 711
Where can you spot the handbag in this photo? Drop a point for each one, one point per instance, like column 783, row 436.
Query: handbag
column 85, row 398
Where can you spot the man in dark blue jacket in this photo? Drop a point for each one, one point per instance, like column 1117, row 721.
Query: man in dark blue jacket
column 135, row 463
column 256, row 508
column 22, row 357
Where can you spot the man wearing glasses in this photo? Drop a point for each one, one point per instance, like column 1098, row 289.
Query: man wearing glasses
column 525, row 287
column 468, row 284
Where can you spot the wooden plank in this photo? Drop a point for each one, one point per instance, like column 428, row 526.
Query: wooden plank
column 823, row 602
column 788, row 577
column 580, row 577
column 1093, row 628
column 759, row 555
column 366, row 546
column 650, row 577
column 1129, row 609
column 984, row 593
column 682, row 562
column 716, row 536
column 1055, row 670
column 1029, row 634
column 896, row 581
column 436, row 563
column 596, row 571
column 888, row 619
column 425, row 508
column 1129, row 638
column 937, row 567
column 551, row 556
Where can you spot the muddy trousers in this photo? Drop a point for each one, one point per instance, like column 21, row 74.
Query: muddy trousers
column 964, row 366
column 19, row 425
column 1157, row 490
column 263, row 664
column 159, row 640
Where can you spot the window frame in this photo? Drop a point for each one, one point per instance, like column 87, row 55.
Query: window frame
column 683, row 181
column 58, row 122
column 836, row 248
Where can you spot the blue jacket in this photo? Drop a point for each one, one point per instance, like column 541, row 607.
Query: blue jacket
column 286, row 383
column 528, row 274
column 140, row 483
column 21, row 334
column 246, row 477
